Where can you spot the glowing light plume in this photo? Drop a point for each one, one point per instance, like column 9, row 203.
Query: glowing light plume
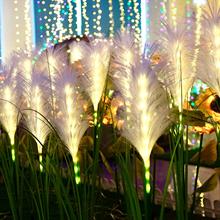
column 124, row 57
column 11, row 101
column 149, row 114
column 69, row 121
column 209, row 56
column 38, row 101
column 178, row 49
column 97, row 66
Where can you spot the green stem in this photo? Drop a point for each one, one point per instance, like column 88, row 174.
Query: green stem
column 197, row 176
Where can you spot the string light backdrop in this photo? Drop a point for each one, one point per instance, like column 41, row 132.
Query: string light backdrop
column 57, row 20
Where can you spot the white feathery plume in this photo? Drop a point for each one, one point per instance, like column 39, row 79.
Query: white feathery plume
column 11, row 95
column 124, row 57
column 9, row 111
column 149, row 115
column 39, row 109
column 96, row 66
column 209, row 57
column 70, row 121
column 178, row 74
column 51, row 63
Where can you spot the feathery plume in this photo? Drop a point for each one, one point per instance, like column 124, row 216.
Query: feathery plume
column 70, row 121
column 178, row 74
column 96, row 66
column 124, row 58
column 149, row 113
column 209, row 57
column 11, row 93
column 39, row 109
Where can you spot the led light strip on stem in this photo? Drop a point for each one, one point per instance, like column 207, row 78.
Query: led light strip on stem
column 86, row 18
column 111, row 19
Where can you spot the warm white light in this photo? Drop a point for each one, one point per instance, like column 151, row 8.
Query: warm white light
column 199, row 2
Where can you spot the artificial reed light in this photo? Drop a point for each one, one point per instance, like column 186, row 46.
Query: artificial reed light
column 209, row 56
column 10, row 97
column 149, row 108
column 124, row 57
column 179, row 77
column 69, row 121
column 96, row 69
column 38, row 111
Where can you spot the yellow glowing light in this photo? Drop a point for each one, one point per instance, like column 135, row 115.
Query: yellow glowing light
column 76, row 52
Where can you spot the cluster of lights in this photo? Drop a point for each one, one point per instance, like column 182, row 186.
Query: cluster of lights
column 86, row 18
column 70, row 17
column 97, row 20
column 188, row 14
column 129, row 13
column 163, row 14
column 28, row 26
column 17, row 24
column 197, row 33
column 137, row 22
column 122, row 14
column 174, row 13
column 111, row 19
